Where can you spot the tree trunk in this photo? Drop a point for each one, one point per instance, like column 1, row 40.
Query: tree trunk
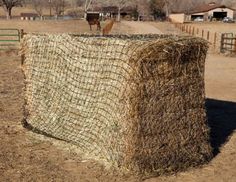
column 167, row 11
column 8, row 13
column 85, row 15
column 118, row 16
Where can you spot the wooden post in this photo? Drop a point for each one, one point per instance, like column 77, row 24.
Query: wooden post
column 215, row 36
column 202, row 33
column 193, row 32
column 208, row 35
column 235, row 45
column 22, row 54
column 197, row 31
column 22, row 33
column 222, row 43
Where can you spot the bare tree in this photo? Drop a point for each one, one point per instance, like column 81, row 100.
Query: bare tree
column 79, row 2
column 8, row 5
column 167, row 6
column 76, row 3
column 143, row 8
column 58, row 6
column 157, row 8
column 186, row 5
column 38, row 6
column 87, row 5
column 120, row 4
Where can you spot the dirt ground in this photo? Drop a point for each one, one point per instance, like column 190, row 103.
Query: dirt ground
column 25, row 156
column 218, row 27
column 48, row 26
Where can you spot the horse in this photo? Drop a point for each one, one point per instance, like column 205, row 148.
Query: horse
column 108, row 27
column 94, row 22
column 93, row 19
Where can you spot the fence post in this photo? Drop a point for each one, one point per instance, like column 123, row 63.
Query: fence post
column 215, row 36
column 202, row 33
column 222, row 43
column 208, row 35
column 21, row 33
column 193, row 31
column 235, row 45
column 22, row 54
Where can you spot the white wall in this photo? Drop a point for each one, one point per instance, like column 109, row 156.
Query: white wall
column 177, row 18
column 230, row 13
column 199, row 14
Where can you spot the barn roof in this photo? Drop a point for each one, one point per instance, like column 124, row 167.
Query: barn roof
column 203, row 8
column 28, row 15
column 112, row 9
column 207, row 7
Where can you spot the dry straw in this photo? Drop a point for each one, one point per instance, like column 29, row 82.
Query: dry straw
column 136, row 102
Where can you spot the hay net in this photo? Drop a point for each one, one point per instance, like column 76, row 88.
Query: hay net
column 136, row 102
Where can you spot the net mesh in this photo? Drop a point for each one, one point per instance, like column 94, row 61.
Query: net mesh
column 136, row 102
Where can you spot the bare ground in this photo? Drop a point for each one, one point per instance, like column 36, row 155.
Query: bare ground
column 219, row 27
column 141, row 27
column 25, row 156
column 49, row 26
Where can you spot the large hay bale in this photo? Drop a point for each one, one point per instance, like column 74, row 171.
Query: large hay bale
column 136, row 102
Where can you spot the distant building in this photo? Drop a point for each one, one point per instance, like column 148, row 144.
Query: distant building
column 177, row 17
column 112, row 11
column 206, row 12
column 28, row 16
column 92, row 15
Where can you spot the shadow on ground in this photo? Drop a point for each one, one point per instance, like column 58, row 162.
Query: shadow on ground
column 222, row 121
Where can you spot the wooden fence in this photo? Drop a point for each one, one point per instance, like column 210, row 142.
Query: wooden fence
column 10, row 38
column 228, row 43
column 217, row 41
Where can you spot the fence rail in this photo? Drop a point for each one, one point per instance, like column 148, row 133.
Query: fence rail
column 218, row 42
column 10, row 38
column 228, row 43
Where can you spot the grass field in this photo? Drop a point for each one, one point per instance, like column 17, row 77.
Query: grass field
column 25, row 156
